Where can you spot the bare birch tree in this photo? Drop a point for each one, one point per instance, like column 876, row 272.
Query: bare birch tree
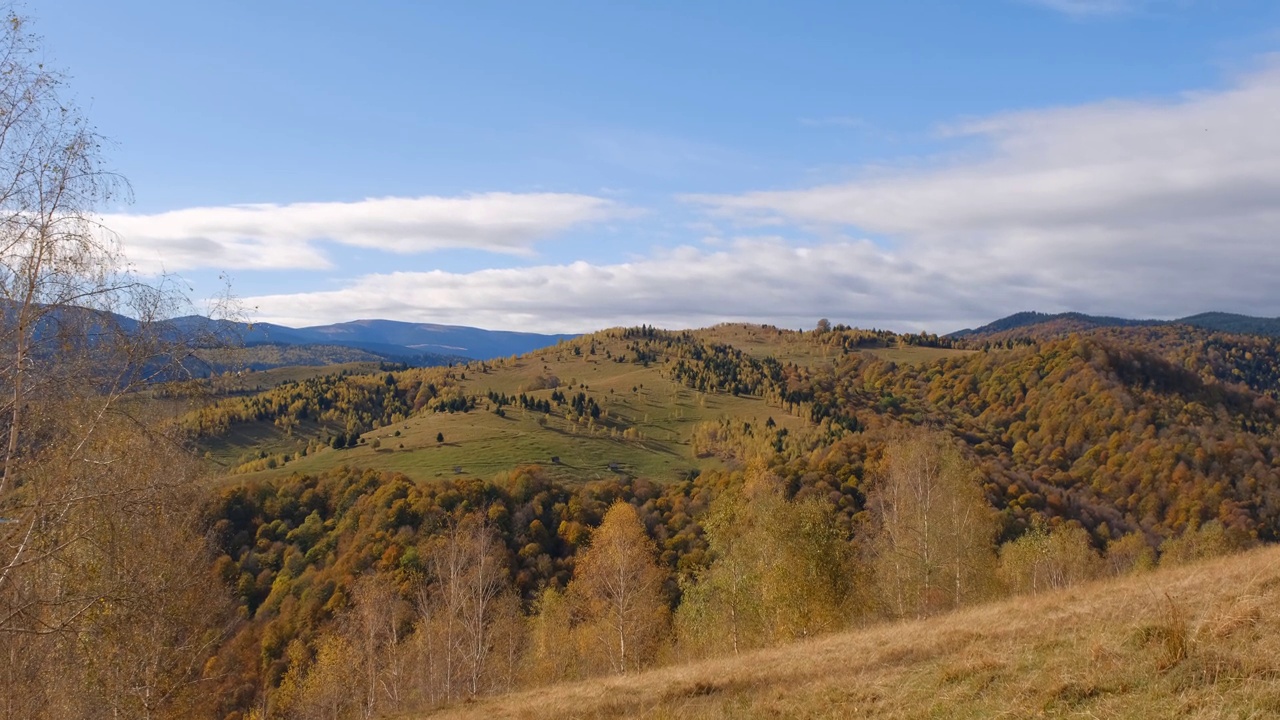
column 84, row 470
column 469, row 624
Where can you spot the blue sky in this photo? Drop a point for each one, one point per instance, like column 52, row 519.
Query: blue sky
column 566, row 166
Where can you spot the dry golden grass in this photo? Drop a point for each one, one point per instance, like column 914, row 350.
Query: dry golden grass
column 1200, row 641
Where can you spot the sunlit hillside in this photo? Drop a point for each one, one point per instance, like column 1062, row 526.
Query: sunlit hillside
column 1201, row 641
column 748, row 455
column 602, row 360
column 645, row 427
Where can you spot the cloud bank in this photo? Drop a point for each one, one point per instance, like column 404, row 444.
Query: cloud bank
column 276, row 237
column 1144, row 209
column 751, row 279
column 1136, row 208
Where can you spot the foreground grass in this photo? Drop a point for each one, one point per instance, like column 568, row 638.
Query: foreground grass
column 1201, row 641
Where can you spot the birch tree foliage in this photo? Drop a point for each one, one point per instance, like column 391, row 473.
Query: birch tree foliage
column 618, row 588
column 934, row 548
column 782, row 570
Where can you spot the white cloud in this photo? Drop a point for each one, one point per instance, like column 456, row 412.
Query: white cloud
column 262, row 237
column 1090, row 8
column 750, row 279
column 1136, row 208
column 1142, row 209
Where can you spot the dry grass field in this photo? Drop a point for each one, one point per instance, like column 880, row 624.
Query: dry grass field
column 1200, row 641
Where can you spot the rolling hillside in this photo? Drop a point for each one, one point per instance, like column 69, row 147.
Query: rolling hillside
column 1119, row 429
column 647, row 422
column 1135, row 440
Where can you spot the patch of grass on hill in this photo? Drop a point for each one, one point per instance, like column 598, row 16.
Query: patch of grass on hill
column 808, row 348
column 762, row 341
column 243, row 442
column 914, row 354
column 481, row 443
column 247, row 381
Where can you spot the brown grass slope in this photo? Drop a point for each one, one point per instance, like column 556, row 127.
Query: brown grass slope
column 1200, row 641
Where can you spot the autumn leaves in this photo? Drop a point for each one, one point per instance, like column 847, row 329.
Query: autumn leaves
column 618, row 587
column 934, row 547
column 782, row 569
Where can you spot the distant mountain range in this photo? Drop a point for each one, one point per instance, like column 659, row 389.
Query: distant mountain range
column 1073, row 322
column 401, row 341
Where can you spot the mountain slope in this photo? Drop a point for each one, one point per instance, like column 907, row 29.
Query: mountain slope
column 389, row 338
column 1151, row 429
column 1038, row 324
column 1196, row 641
column 662, row 414
column 1140, row 435
column 426, row 337
column 1069, row 322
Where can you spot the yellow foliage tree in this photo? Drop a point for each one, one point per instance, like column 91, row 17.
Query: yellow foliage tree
column 1048, row 559
column 617, row 588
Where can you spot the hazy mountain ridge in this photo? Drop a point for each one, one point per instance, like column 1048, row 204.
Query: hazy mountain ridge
column 206, row 341
column 391, row 338
column 1068, row 322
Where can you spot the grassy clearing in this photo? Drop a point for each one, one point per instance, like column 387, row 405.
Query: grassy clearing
column 914, row 355
column 762, row 341
column 251, row 381
column 244, row 441
column 789, row 346
column 480, row 443
column 1201, row 641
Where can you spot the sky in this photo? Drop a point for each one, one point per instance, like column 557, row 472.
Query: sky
column 570, row 165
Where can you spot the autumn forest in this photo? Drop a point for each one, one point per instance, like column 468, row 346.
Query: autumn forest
column 193, row 525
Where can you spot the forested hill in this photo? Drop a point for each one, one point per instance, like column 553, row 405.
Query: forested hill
column 1037, row 324
column 1231, row 323
column 1118, row 429
column 1102, row 451
column 1068, row 322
